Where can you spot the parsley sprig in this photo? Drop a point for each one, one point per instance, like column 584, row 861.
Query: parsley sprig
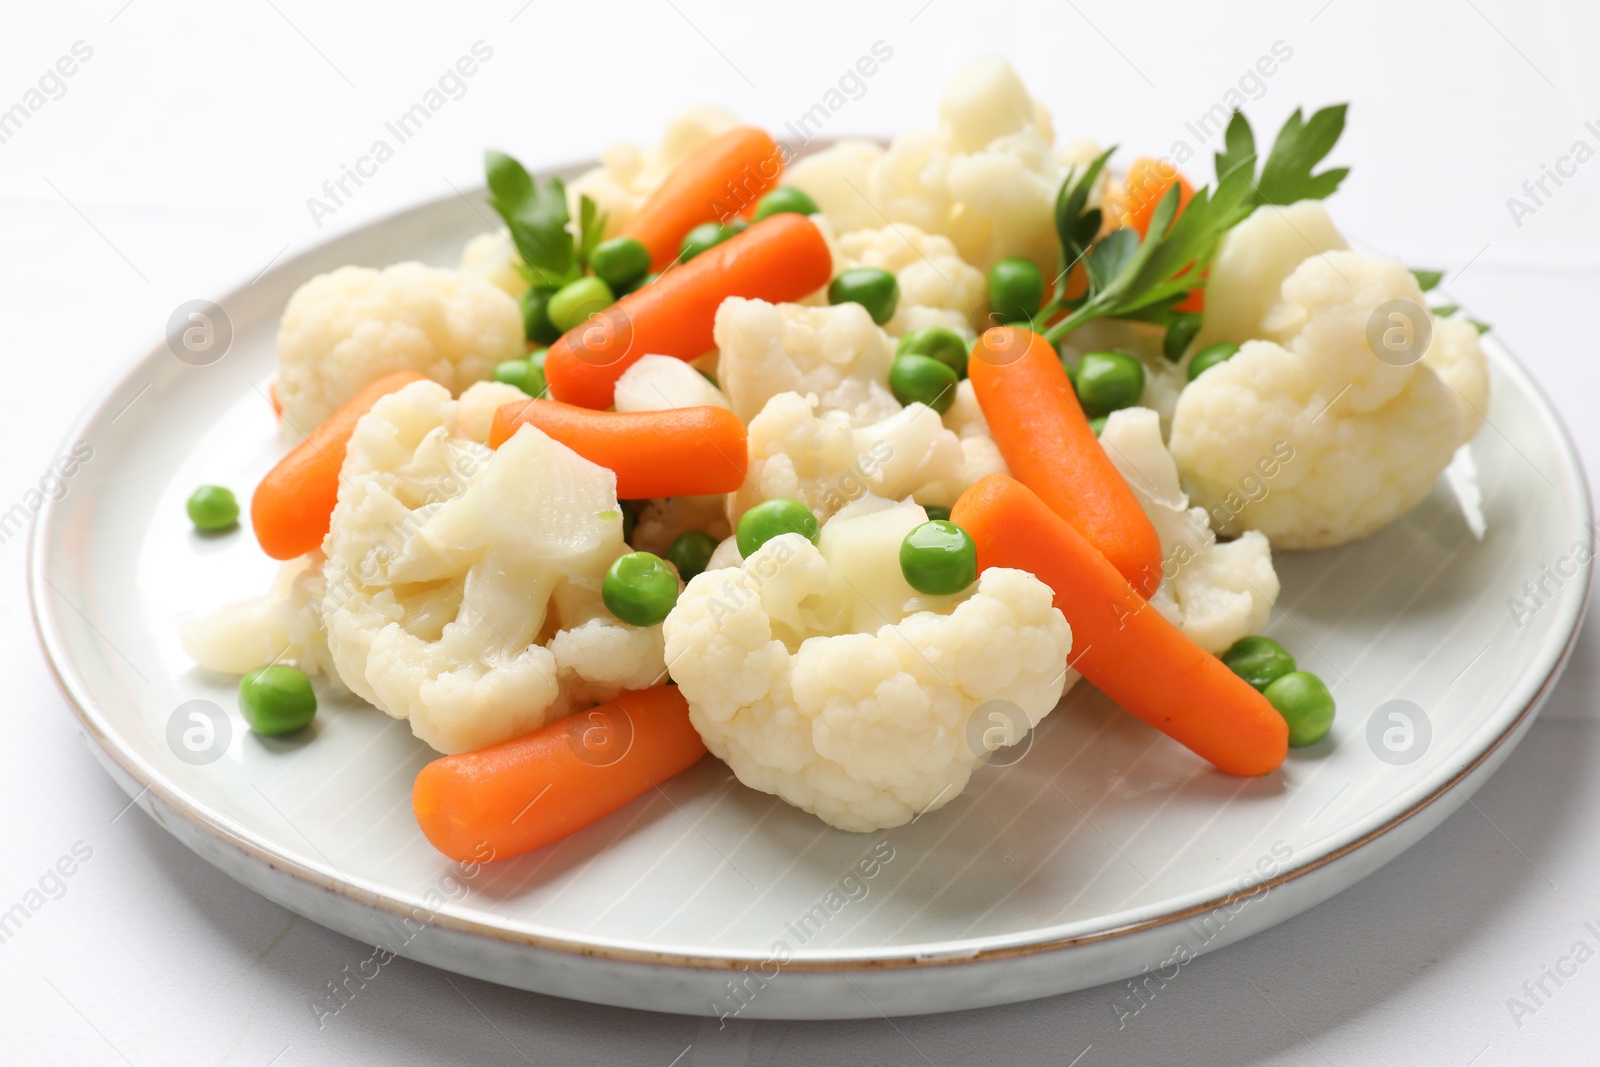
column 1144, row 279
column 540, row 226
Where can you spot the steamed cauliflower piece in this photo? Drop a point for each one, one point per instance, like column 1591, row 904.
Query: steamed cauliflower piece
column 1368, row 438
column 835, row 353
column 1252, row 263
column 822, row 461
column 1215, row 592
column 817, row 675
column 930, row 272
column 627, row 176
column 281, row 627
column 986, row 178
column 660, row 383
column 494, row 257
column 343, row 330
column 462, row 585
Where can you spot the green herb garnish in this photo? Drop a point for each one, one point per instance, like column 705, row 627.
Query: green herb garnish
column 1144, row 279
column 537, row 219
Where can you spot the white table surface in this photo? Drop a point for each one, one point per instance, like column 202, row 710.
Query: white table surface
column 177, row 163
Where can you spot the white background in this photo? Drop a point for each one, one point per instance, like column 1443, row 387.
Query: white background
column 177, row 164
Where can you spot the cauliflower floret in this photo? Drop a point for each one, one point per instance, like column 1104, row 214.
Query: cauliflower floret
column 816, row 674
column 1215, row 592
column 836, row 353
column 1252, row 262
column 450, row 567
column 493, row 256
column 930, row 272
column 823, row 462
column 627, row 176
column 475, row 410
column 837, row 178
column 661, row 520
column 283, row 627
column 1456, row 354
column 1368, row 438
column 987, row 178
column 658, row 383
column 344, row 330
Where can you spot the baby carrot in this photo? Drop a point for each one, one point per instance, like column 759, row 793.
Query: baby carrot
column 723, row 177
column 525, row 793
column 291, row 508
column 781, row 258
column 1120, row 643
column 1036, row 420
column 694, row 451
column 1148, row 181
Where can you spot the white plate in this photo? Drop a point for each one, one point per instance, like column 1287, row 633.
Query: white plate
column 1107, row 850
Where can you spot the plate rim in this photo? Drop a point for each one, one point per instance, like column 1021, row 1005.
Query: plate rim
column 1532, row 690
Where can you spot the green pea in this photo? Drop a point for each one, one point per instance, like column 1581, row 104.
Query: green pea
column 640, row 589
column 1109, row 381
column 1182, row 330
column 939, row 557
column 577, row 300
column 1098, row 425
column 277, row 700
column 536, row 322
column 620, row 261
column 785, row 199
column 1305, row 704
column 536, row 385
column 212, row 508
column 936, row 342
column 935, row 512
column 690, row 552
column 1210, row 356
column 770, row 518
column 1016, row 290
column 923, row 379
column 704, row 236
column 1258, row 660
column 517, row 372
column 872, row 287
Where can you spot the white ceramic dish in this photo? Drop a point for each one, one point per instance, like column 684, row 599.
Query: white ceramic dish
column 1105, row 851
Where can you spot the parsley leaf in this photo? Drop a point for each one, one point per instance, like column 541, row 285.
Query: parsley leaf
column 1444, row 311
column 537, row 218
column 1144, row 279
column 1286, row 175
column 1427, row 279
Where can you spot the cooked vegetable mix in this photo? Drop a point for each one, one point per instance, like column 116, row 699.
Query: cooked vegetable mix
column 539, row 506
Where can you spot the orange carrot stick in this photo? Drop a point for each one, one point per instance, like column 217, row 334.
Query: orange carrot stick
column 781, row 258
column 1036, row 420
column 1120, row 643
column 722, row 178
column 694, row 451
column 522, row 794
column 1148, row 181
column 293, row 505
